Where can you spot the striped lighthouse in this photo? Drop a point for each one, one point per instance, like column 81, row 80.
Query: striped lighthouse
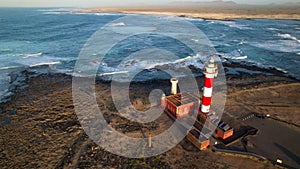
column 210, row 71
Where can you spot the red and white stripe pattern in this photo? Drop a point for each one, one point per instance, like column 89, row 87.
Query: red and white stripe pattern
column 210, row 72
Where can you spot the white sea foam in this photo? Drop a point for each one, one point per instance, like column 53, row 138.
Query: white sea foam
column 118, row 24
column 112, row 73
column 240, row 58
column 183, row 62
column 195, row 40
column 237, row 54
column 233, row 24
column 273, row 29
column 8, row 67
column 105, row 14
column 230, row 56
column 242, row 42
column 55, row 13
column 5, row 50
column 268, row 66
column 281, row 70
column 211, row 21
column 290, row 46
column 12, row 61
column 44, row 63
column 134, row 64
column 288, row 36
column 194, row 19
column 188, row 58
column 30, row 55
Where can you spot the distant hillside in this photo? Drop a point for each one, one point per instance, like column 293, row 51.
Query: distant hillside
column 291, row 4
column 208, row 3
column 220, row 4
column 214, row 10
column 212, row 5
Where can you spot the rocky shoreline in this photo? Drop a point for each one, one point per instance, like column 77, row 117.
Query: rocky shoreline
column 232, row 69
column 39, row 127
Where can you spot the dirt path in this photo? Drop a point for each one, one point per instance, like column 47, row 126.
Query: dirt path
column 264, row 88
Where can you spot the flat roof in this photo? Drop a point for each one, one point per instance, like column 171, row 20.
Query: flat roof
column 216, row 121
column 224, row 126
column 199, row 126
column 182, row 99
column 198, row 135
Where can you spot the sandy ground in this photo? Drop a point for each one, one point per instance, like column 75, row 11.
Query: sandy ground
column 39, row 128
column 279, row 101
column 210, row 12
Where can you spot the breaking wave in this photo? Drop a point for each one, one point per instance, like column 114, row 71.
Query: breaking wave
column 56, row 12
column 226, row 56
column 8, row 67
column 44, row 63
column 118, row 24
column 182, row 62
column 105, row 14
column 234, row 55
column 288, row 36
column 241, row 58
column 112, row 73
column 289, row 46
column 133, row 65
column 5, row 50
column 273, row 29
column 232, row 24
column 30, row 55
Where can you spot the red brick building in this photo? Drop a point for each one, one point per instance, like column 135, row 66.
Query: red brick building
column 199, row 139
column 180, row 105
column 224, row 131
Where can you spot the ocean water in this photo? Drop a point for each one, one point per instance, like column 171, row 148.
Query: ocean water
column 54, row 37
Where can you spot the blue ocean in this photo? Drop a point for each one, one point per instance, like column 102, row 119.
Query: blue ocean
column 31, row 37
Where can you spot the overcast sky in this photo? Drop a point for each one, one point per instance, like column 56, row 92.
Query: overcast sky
column 99, row 3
